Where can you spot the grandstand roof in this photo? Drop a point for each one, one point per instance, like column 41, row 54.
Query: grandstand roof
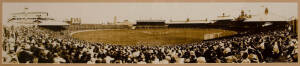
column 223, row 18
column 30, row 13
column 53, row 23
column 266, row 17
column 150, row 20
column 190, row 22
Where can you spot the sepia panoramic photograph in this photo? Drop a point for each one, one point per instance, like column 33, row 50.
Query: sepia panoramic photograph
column 149, row 33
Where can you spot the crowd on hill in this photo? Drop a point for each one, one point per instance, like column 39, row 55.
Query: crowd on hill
column 26, row 44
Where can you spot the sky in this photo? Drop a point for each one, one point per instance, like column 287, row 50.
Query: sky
column 96, row 13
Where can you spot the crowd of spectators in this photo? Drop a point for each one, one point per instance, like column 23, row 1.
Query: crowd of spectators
column 27, row 44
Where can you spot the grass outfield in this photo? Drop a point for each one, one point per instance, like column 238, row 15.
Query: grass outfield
column 149, row 36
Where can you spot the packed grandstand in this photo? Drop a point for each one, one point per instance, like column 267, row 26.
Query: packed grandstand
column 30, row 44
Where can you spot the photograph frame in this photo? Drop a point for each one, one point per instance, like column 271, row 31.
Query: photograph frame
column 147, row 1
